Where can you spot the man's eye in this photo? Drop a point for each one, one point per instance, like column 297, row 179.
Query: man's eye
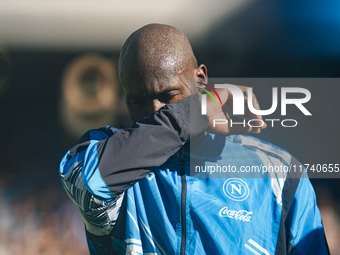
column 166, row 98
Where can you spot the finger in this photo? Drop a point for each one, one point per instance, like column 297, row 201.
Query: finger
column 257, row 116
column 225, row 127
column 224, row 95
column 239, row 124
column 257, row 107
column 253, row 116
column 255, row 126
column 248, row 127
column 228, row 123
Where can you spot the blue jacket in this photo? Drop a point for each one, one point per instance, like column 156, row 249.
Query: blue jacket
column 190, row 203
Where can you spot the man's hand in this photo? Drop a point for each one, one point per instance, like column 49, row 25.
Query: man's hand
column 224, row 115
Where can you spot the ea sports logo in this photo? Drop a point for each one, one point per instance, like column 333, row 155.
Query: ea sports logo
column 236, row 189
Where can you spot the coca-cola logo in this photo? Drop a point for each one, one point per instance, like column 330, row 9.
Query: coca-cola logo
column 242, row 215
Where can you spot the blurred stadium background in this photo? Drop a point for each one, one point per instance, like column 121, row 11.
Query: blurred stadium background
column 58, row 79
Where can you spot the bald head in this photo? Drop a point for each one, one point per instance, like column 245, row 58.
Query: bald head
column 156, row 50
column 155, row 66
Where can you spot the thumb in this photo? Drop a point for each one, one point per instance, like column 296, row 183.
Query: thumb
column 223, row 95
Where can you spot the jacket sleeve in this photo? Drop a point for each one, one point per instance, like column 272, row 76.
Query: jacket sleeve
column 127, row 156
column 106, row 162
column 306, row 229
column 113, row 160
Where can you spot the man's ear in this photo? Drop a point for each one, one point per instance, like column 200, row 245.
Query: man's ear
column 201, row 72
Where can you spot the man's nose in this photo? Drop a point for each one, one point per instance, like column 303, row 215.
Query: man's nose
column 156, row 105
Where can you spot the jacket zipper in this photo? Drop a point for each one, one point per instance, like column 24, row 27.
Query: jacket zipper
column 183, row 205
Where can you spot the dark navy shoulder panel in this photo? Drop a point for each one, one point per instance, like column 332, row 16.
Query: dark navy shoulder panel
column 93, row 134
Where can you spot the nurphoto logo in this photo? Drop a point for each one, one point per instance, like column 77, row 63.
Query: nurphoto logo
column 239, row 104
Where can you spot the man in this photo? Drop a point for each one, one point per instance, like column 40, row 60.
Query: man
column 133, row 186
